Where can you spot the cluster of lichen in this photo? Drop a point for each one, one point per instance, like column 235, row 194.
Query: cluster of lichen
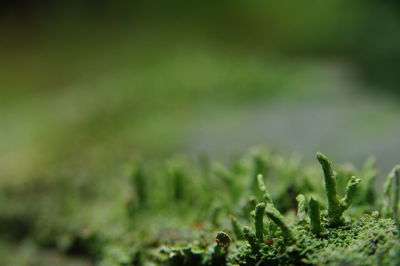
column 312, row 237
column 261, row 210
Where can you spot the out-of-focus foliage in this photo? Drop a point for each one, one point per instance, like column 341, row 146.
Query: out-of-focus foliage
column 365, row 32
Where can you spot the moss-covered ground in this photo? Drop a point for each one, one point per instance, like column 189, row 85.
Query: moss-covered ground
column 259, row 209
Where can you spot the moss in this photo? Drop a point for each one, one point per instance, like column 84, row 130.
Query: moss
column 324, row 238
column 182, row 215
column 301, row 208
column 315, row 217
column 336, row 207
column 237, row 228
column 266, row 195
column 258, row 221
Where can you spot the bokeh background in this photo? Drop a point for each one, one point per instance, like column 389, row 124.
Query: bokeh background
column 85, row 86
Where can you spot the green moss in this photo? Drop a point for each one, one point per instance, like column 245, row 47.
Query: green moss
column 336, row 207
column 258, row 221
column 266, row 195
column 182, row 215
column 301, row 208
column 315, row 217
column 325, row 238
column 237, row 228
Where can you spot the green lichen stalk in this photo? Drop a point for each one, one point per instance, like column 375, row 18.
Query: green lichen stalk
column 387, row 195
column 266, row 195
column 139, row 187
column 236, row 228
column 258, row 221
column 214, row 214
column 370, row 174
column 390, row 202
column 351, row 189
column 315, row 218
column 258, row 167
column 278, row 219
column 336, row 207
column 330, row 187
column 301, row 208
column 251, row 239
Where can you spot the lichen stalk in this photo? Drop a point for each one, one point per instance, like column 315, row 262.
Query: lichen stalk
column 278, row 219
column 301, row 208
column 330, row 187
column 236, row 228
column 387, row 189
column 258, row 221
column 336, row 207
column 266, row 195
column 251, row 239
column 351, row 189
column 315, row 218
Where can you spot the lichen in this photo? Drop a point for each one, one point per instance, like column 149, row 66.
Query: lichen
column 325, row 237
column 177, row 214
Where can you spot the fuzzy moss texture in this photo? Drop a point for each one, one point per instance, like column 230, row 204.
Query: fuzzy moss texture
column 261, row 210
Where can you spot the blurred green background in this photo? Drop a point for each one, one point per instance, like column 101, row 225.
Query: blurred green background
column 87, row 86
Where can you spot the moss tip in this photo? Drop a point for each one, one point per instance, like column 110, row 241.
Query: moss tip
column 300, row 197
column 246, row 230
column 312, row 198
column 355, row 180
column 322, row 157
column 396, row 170
column 260, row 206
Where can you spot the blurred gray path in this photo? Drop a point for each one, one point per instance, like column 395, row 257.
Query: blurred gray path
column 338, row 119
